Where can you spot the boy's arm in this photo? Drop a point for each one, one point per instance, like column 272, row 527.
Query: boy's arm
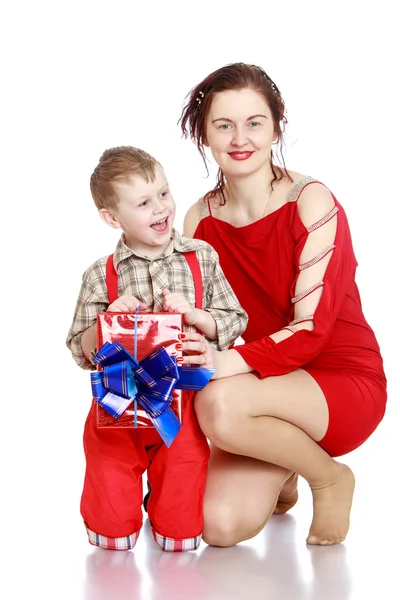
column 88, row 342
column 92, row 300
column 205, row 322
column 197, row 317
column 221, row 303
column 81, row 338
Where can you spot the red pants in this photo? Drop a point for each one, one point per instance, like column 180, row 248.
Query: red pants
column 111, row 504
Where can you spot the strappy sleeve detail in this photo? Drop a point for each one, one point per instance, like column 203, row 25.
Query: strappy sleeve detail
column 291, row 328
column 317, row 258
column 325, row 267
column 299, row 187
column 322, row 221
column 307, row 292
column 301, row 320
column 203, row 208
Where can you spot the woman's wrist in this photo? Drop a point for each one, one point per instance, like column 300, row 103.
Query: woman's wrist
column 228, row 363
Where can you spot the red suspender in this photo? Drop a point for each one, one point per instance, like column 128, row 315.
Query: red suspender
column 194, row 266
column 191, row 258
column 111, row 280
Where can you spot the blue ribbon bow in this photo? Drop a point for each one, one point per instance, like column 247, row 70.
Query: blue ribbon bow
column 150, row 382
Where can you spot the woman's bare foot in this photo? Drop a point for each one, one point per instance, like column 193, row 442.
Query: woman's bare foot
column 288, row 495
column 332, row 504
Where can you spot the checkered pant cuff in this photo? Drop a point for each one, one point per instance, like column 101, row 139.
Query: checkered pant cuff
column 172, row 545
column 121, row 543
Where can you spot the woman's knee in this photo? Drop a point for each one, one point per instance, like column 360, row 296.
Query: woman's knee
column 224, row 528
column 212, row 410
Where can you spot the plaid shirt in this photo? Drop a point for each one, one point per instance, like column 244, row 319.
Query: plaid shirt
column 145, row 279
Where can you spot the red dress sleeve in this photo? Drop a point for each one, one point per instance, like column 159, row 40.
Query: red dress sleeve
column 317, row 299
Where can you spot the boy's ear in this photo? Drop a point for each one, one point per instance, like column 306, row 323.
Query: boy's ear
column 109, row 218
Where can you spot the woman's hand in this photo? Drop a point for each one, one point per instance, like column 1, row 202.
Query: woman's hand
column 199, row 353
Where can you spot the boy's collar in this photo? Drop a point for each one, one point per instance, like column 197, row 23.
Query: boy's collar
column 178, row 243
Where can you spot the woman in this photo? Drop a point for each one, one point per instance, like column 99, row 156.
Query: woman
column 308, row 383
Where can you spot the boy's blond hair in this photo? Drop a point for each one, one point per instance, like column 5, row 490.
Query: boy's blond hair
column 119, row 164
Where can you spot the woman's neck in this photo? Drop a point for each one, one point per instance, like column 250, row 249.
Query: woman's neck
column 248, row 197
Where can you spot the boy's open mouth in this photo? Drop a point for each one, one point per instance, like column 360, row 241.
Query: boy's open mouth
column 161, row 225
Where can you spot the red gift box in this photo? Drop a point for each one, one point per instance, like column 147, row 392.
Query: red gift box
column 153, row 331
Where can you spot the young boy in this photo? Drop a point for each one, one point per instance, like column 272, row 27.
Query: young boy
column 131, row 192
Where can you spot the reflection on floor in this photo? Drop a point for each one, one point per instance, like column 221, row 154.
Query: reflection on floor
column 277, row 564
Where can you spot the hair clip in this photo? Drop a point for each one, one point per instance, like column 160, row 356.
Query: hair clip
column 198, row 100
column 274, row 87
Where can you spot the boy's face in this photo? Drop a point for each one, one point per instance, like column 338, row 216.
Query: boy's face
column 145, row 213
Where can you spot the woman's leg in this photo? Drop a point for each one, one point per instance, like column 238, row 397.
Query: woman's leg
column 241, row 494
column 288, row 495
column 279, row 420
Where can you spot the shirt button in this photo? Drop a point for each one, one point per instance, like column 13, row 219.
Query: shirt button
column 155, row 263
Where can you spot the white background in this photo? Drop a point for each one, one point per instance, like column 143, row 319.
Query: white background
column 79, row 77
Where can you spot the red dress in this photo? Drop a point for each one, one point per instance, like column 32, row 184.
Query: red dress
column 261, row 262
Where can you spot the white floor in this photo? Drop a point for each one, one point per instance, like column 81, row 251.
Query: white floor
column 48, row 555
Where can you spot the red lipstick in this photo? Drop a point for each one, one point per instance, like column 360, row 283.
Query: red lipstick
column 240, row 155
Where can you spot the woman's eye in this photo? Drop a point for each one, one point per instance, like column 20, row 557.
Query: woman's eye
column 254, row 123
column 224, row 126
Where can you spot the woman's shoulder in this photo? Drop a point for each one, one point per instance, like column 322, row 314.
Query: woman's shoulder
column 191, row 220
column 300, row 182
column 314, row 203
column 194, row 215
column 296, row 184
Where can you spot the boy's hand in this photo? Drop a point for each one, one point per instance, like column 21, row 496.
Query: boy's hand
column 178, row 304
column 126, row 303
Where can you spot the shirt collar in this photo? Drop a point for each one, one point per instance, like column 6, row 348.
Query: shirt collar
column 178, row 243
